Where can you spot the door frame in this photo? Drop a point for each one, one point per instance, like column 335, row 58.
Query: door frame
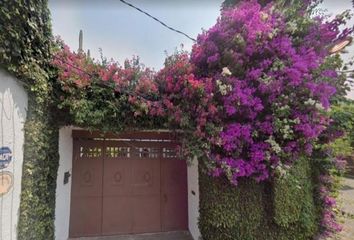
column 63, row 189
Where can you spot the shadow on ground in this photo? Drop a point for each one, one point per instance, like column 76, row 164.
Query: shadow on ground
column 156, row 236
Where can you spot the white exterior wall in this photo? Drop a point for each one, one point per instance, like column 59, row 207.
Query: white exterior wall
column 193, row 199
column 13, row 107
column 63, row 192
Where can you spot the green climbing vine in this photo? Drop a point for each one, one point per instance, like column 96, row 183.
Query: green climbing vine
column 25, row 51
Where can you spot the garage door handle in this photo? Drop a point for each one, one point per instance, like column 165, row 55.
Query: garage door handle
column 165, row 198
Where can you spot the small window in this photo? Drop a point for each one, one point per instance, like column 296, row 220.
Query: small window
column 115, row 152
column 148, row 152
column 90, row 152
column 170, row 153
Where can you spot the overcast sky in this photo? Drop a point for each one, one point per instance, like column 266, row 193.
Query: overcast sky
column 122, row 31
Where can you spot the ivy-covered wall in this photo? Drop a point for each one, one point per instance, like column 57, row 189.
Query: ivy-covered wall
column 39, row 175
column 25, row 51
column 283, row 209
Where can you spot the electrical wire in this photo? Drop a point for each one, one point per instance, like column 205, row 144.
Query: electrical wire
column 157, row 20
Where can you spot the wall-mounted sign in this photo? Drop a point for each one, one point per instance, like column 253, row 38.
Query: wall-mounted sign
column 5, row 157
column 6, row 182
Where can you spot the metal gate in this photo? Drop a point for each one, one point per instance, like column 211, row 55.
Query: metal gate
column 135, row 183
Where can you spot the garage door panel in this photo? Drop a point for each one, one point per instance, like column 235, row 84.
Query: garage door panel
column 127, row 187
column 174, row 214
column 146, row 214
column 117, row 177
column 174, row 190
column 86, row 191
column 117, row 215
column 87, row 180
column 145, row 176
column 174, row 176
column 87, row 169
column 86, row 216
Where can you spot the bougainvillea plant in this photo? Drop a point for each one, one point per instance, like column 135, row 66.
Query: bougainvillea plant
column 104, row 95
column 271, row 87
column 250, row 99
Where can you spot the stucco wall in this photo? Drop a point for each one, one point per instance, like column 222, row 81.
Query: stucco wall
column 63, row 192
column 193, row 199
column 13, row 105
column 62, row 206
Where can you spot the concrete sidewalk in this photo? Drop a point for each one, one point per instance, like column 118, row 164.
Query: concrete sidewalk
column 347, row 201
column 155, row 236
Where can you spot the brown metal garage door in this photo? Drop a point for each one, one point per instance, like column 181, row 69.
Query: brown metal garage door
column 127, row 186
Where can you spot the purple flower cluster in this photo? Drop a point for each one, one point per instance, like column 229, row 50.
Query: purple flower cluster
column 235, row 135
column 329, row 224
column 266, row 85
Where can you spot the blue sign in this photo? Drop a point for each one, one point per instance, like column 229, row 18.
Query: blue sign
column 5, row 157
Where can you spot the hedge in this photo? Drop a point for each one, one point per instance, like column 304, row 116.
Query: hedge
column 283, row 209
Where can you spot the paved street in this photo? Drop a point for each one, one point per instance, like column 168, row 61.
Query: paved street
column 159, row 236
column 347, row 198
